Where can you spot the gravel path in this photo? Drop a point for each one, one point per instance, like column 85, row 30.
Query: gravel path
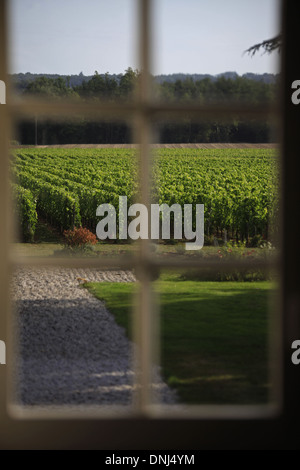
column 71, row 350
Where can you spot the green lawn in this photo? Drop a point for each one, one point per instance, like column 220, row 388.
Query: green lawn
column 213, row 336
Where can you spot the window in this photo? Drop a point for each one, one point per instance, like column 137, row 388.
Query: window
column 220, row 427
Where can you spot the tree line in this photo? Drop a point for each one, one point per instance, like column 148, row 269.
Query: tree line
column 80, row 130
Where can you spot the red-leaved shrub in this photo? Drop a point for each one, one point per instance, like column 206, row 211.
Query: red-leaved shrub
column 79, row 238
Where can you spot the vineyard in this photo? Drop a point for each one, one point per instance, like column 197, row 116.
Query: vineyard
column 238, row 187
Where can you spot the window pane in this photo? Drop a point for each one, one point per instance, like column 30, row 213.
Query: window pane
column 215, row 337
column 72, row 37
column 69, row 348
column 237, row 184
column 199, row 37
column 60, row 190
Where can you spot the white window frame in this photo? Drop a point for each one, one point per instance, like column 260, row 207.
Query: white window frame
column 211, row 426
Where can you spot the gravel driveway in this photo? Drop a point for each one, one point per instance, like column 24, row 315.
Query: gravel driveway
column 71, row 349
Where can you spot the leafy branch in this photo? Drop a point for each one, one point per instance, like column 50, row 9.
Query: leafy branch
column 268, row 46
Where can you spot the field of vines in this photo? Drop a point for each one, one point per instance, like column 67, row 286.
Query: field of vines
column 238, row 187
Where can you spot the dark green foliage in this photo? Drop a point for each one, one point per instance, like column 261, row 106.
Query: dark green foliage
column 221, row 89
column 57, row 205
column 89, row 177
column 237, row 187
column 25, row 204
column 49, row 88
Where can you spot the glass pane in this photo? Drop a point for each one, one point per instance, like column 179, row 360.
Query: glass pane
column 215, row 337
column 68, row 347
column 60, row 189
column 200, row 50
column 76, row 39
column 236, row 185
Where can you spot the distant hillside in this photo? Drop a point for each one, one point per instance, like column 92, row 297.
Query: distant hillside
column 265, row 77
column 22, row 79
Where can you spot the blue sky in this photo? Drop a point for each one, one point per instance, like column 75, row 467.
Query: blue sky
column 190, row 36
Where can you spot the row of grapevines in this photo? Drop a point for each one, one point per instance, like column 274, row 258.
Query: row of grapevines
column 88, row 197
column 239, row 194
column 56, row 204
column 237, row 187
column 25, row 204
